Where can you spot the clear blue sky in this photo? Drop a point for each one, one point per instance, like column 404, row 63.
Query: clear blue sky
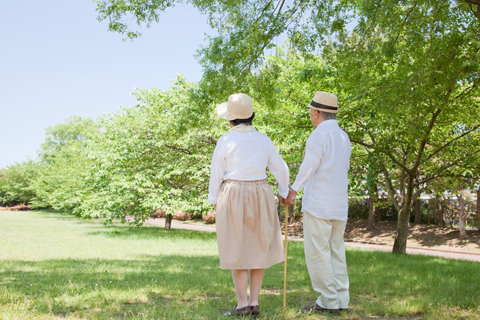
column 57, row 60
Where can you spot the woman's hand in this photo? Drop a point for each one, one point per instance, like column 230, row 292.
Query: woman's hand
column 214, row 207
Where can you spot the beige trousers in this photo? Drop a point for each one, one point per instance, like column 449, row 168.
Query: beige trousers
column 326, row 262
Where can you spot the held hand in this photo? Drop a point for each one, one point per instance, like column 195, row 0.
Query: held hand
column 214, row 207
column 282, row 200
column 290, row 198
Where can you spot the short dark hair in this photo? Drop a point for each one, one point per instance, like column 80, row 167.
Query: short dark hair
column 248, row 121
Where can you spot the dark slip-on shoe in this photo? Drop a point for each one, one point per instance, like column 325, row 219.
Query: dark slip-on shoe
column 315, row 307
column 241, row 312
column 255, row 311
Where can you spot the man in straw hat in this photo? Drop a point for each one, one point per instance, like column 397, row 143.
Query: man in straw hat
column 324, row 174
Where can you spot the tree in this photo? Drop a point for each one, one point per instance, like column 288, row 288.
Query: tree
column 60, row 135
column 155, row 155
column 414, row 109
column 62, row 183
column 15, row 183
column 65, row 164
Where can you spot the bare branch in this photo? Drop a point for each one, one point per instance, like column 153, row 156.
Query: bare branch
column 424, row 140
column 174, row 185
column 179, row 149
column 468, row 89
column 209, row 140
column 362, row 143
column 390, row 188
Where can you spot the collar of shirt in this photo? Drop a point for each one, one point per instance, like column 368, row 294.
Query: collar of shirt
column 327, row 123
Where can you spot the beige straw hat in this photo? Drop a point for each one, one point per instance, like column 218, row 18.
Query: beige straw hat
column 324, row 101
column 238, row 106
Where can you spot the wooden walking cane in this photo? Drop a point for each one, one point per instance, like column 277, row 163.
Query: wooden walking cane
column 285, row 265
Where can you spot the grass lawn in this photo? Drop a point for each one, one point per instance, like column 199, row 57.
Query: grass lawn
column 56, row 266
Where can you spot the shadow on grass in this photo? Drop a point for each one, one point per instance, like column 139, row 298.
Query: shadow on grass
column 153, row 286
column 168, row 286
column 125, row 231
column 426, row 235
column 421, row 282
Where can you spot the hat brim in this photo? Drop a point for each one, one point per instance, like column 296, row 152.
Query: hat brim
column 223, row 112
column 323, row 110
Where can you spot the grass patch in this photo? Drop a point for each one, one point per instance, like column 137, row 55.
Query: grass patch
column 56, row 266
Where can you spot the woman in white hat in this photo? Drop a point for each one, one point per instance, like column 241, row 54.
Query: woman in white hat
column 248, row 230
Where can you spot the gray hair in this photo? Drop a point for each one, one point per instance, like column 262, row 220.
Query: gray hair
column 328, row 115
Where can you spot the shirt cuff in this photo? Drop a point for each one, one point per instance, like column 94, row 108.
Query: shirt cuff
column 283, row 193
column 212, row 199
column 297, row 187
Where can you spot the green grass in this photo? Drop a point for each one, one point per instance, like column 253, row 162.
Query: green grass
column 56, row 266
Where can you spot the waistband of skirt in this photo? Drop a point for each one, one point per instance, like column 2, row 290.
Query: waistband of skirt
column 244, row 181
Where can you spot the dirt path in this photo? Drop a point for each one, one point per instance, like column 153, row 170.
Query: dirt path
column 363, row 243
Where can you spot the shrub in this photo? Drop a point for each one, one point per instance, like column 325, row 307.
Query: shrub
column 19, row 208
column 209, row 217
column 159, row 213
column 182, row 216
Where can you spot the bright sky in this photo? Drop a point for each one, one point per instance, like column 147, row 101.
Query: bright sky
column 57, row 60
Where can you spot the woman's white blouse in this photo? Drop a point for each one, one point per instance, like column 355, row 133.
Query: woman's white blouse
column 245, row 156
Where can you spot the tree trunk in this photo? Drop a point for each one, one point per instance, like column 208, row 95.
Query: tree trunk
column 279, row 206
column 378, row 215
column 168, row 221
column 418, row 212
column 299, row 207
column 371, row 213
column 291, row 213
column 440, row 213
column 462, row 216
column 400, row 244
column 478, row 209
column 428, row 213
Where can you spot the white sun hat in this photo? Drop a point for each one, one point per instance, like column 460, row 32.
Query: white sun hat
column 324, row 101
column 238, row 106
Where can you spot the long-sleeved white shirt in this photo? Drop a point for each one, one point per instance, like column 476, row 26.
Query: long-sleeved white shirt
column 324, row 172
column 245, row 156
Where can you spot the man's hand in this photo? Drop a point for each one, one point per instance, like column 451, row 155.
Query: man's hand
column 290, row 198
column 214, row 207
column 282, row 200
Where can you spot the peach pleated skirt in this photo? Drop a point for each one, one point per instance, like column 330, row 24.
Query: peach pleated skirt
column 248, row 229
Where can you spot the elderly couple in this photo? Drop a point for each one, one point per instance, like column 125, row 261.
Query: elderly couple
column 248, row 230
